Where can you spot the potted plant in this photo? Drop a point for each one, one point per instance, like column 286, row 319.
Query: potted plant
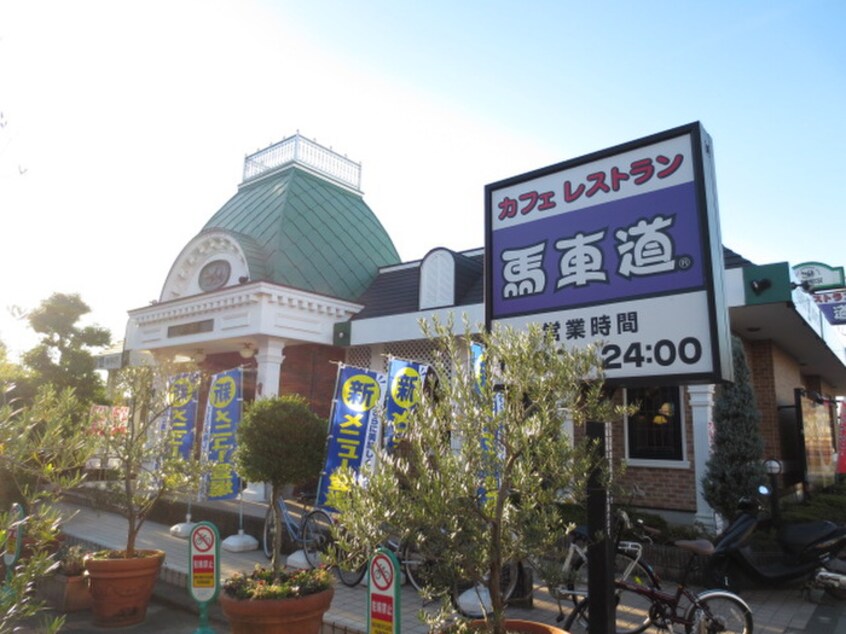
column 67, row 588
column 122, row 580
column 279, row 441
column 483, row 462
column 42, row 449
column 277, row 602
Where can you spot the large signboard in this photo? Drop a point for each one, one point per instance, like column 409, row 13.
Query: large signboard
column 621, row 247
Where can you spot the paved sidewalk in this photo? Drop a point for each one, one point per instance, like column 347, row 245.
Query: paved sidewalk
column 783, row 611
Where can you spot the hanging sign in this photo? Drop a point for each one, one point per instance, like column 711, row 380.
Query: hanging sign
column 832, row 304
column 819, row 276
column 383, row 594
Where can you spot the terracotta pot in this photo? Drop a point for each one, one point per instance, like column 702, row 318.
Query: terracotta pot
column 277, row 616
column 121, row 588
column 66, row 593
column 523, row 627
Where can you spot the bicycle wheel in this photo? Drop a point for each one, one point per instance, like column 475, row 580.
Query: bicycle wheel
column 632, row 609
column 350, row 571
column 419, row 569
column 563, row 570
column 474, row 600
column 577, row 621
column 316, row 532
column 351, row 576
column 719, row 611
column 508, row 578
column 268, row 533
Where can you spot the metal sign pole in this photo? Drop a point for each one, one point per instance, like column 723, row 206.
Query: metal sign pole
column 600, row 579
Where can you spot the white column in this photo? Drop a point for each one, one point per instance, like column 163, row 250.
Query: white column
column 269, row 360
column 702, row 406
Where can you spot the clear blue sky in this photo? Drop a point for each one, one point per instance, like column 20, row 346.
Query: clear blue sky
column 125, row 124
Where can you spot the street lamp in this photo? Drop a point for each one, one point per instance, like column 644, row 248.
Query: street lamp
column 774, row 469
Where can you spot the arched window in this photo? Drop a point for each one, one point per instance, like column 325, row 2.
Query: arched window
column 437, row 280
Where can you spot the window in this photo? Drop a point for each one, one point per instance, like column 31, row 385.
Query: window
column 437, row 280
column 655, row 431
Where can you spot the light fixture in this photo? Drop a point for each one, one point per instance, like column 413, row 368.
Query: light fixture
column 247, row 351
column 759, row 286
column 199, row 356
column 805, row 286
column 773, row 466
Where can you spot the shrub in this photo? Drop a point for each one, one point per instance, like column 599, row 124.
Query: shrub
column 264, row 583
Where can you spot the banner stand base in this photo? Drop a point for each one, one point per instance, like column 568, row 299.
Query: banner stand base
column 183, row 529
column 240, row 543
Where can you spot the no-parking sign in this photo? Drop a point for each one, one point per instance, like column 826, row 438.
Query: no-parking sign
column 383, row 594
column 204, row 562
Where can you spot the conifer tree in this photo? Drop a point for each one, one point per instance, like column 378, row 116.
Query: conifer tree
column 735, row 467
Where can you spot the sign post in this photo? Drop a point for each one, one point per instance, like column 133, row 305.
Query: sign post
column 204, row 570
column 14, row 539
column 620, row 248
column 383, row 594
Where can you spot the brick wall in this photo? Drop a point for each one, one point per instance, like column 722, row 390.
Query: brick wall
column 310, row 370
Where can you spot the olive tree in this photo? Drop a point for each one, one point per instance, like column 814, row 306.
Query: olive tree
column 41, row 453
column 484, row 462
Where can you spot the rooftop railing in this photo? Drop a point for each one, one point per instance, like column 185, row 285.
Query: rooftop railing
column 298, row 149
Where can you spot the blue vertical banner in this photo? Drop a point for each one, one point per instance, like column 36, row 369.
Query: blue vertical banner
column 489, row 441
column 223, row 414
column 355, row 425
column 181, row 419
column 405, row 387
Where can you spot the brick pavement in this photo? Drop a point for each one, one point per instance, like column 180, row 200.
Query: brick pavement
column 783, row 611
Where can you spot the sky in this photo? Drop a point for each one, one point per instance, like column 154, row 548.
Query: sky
column 124, row 124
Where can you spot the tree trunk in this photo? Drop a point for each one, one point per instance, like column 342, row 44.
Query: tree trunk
column 277, row 525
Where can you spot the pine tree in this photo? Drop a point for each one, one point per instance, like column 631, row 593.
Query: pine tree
column 735, row 468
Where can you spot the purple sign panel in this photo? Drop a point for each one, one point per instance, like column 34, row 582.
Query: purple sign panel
column 580, row 245
column 833, row 305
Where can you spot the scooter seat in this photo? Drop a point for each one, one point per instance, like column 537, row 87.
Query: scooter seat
column 796, row 537
column 698, row 546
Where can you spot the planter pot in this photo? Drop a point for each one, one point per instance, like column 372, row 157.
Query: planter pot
column 277, row 616
column 121, row 588
column 518, row 626
column 66, row 593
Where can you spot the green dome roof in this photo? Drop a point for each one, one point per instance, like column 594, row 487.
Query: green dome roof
column 302, row 230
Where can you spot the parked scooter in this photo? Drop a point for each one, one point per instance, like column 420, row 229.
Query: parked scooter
column 808, row 549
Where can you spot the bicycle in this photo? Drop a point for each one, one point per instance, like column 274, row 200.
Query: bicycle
column 293, row 528
column 419, row 568
column 565, row 569
column 708, row 612
column 317, row 540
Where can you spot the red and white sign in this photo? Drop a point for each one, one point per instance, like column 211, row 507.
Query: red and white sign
column 203, row 539
column 383, row 604
column 204, row 562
